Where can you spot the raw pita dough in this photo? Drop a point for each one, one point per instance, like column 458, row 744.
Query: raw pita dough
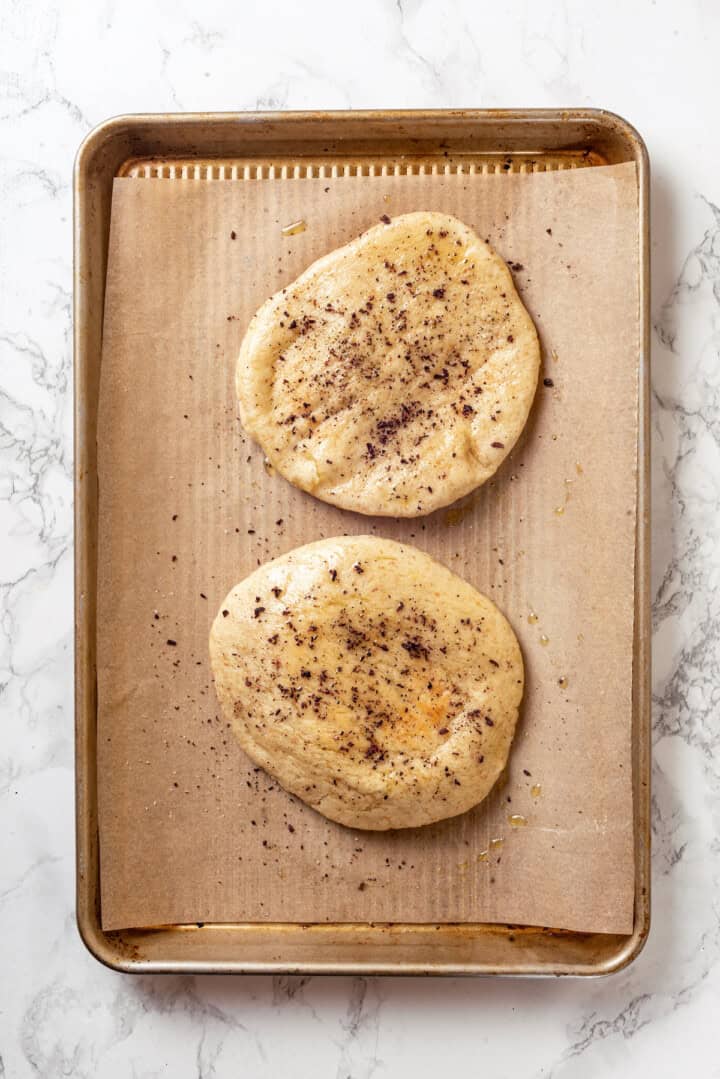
column 396, row 373
column 372, row 682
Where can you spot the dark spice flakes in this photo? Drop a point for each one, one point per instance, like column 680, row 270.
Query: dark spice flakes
column 415, row 648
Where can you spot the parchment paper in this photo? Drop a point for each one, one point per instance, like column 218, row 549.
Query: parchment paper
column 189, row 829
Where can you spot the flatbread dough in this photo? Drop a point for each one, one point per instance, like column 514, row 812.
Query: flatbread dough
column 372, row 682
column 396, row 373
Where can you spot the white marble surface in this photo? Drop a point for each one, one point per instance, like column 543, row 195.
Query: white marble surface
column 63, row 68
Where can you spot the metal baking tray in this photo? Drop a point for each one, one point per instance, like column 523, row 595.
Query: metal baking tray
column 249, row 145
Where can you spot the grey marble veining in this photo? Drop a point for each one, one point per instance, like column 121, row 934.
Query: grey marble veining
column 64, row 68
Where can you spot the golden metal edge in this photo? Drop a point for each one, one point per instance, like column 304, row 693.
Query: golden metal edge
column 105, row 946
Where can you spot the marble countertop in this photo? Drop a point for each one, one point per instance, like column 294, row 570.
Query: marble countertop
column 65, row 67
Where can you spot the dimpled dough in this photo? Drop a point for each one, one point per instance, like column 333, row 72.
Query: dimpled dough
column 396, row 373
column 372, row 682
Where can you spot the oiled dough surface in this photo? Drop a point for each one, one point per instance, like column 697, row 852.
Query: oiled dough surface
column 372, row 682
column 396, row 373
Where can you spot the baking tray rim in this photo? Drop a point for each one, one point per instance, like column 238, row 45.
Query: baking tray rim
column 117, row 950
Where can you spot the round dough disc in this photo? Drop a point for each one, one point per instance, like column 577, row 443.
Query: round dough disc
column 396, row 373
column 372, row 682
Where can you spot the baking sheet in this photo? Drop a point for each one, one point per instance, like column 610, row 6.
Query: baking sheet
column 189, row 830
